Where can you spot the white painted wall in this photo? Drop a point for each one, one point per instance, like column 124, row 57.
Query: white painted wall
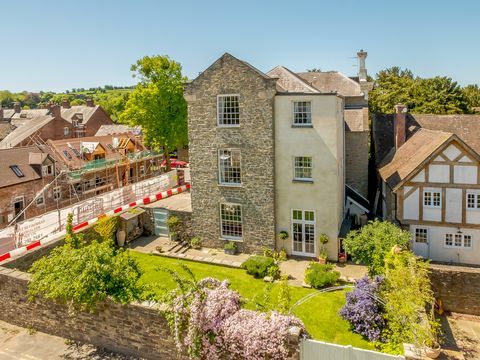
column 420, row 177
column 439, row 252
column 439, row 173
column 432, row 213
column 410, row 205
column 453, row 205
column 324, row 143
column 451, row 152
column 465, row 174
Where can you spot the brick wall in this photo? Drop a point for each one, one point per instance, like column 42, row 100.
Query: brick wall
column 458, row 287
column 356, row 160
column 136, row 330
column 255, row 139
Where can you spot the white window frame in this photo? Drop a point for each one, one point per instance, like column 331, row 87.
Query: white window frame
column 476, row 201
column 66, row 131
column 47, row 170
column 304, row 222
column 57, row 189
column 295, row 177
column 294, row 112
column 222, row 170
column 226, row 236
column 220, row 124
column 430, row 203
column 424, row 232
column 454, row 243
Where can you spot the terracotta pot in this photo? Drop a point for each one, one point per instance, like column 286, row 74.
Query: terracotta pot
column 230, row 251
column 121, row 237
column 432, row 353
column 342, row 259
column 322, row 260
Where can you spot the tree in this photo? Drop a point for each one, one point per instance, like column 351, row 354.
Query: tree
column 157, row 103
column 371, row 243
column 86, row 275
column 314, row 70
column 438, row 95
column 472, row 93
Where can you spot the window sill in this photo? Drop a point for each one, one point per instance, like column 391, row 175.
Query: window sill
column 303, row 181
column 231, row 239
column 309, row 126
column 227, row 126
column 230, row 185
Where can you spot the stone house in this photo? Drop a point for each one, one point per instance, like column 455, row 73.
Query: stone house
column 429, row 168
column 29, row 127
column 267, row 154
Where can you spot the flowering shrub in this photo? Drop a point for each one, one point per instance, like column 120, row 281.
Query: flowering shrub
column 207, row 321
column 252, row 335
column 363, row 311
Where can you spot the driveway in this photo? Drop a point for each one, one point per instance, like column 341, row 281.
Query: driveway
column 17, row 343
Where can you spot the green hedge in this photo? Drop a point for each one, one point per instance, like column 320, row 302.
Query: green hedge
column 261, row 266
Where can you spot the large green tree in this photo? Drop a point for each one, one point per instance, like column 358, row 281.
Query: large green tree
column 472, row 93
column 157, row 103
column 438, row 95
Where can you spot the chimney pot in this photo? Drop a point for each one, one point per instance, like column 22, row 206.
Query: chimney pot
column 66, row 104
column 362, row 71
column 399, row 125
column 16, row 107
column 90, row 102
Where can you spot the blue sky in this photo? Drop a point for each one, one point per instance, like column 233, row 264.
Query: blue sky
column 57, row 45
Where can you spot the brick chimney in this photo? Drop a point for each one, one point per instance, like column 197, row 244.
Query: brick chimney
column 16, row 107
column 56, row 111
column 90, row 102
column 399, row 125
column 66, row 104
column 362, row 71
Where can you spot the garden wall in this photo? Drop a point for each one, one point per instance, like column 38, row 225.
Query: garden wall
column 136, row 330
column 458, row 287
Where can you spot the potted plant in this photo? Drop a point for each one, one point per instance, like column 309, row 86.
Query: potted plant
column 230, row 248
column 283, row 235
column 196, row 243
column 173, row 223
column 432, row 349
column 342, row 257
column 322, row 257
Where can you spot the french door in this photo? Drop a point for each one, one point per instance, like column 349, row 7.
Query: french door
column 303, row 232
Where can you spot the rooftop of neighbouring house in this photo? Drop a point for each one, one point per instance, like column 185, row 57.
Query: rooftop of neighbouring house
column 116, row 129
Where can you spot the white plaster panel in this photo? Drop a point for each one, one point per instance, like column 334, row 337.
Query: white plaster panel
column 464, row 174
column 453, row 205
column 439, row 173
column 451, row 152
column 439, row 158
column 465, row 159
column 410, row 205
column 420, row 177
column 439, row 252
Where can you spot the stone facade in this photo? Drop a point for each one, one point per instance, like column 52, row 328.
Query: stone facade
column 458, row 287
column 255, row 139
column 356, row 160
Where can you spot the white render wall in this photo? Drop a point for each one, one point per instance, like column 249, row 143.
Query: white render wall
column 324, row 142
column 439, row 252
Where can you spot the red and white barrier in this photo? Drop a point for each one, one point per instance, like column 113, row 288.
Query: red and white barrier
column 147, row 200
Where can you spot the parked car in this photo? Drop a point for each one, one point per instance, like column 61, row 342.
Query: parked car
column 175, row 163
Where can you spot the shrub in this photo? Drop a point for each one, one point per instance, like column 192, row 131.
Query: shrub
column 196, row 243
column 173, row 223
column 87, row 275
column 363, row 310
column 278, row 256
column 283, row 235
column 106, row 228
column 370, row 244
column 230, row 246
column 320, row 275
column 259, row 266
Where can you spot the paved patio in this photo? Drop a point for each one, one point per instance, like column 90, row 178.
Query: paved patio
column 294, row 267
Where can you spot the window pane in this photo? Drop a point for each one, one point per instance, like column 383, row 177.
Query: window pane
column 448, row 239
column 302, row 114
column 458, row 240
column 231, row 220
column 303, row 167
column 427, row 198
column 297, row 215
column 471, row 201
column 228, row 110
column 467, row 241
column 309, row 238
column 229, row 166
column 309, row 216
column 421, row 235
column 436, row 198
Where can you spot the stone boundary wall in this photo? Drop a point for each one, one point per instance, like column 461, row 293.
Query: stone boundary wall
column 458, row 287
column 134, row 329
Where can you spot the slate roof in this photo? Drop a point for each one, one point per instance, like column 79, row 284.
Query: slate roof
column 19, row 157
column 289, row 81
column 332, row 81
column 24, row 130
column 69, row 114
column 118, row 129
column 356, row 120
column 398, row 164
column 466, row 127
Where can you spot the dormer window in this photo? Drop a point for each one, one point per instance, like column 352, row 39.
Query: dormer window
column 47, row 170
column 228, row 110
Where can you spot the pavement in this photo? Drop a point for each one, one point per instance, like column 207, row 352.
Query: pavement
column 18, row 343
column 294, row 267
column 461, row 334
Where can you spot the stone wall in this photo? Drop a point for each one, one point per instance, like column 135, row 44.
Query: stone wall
column 186, row 230
column 255, row 139
column 136, row 330
column 458, row 287
column 356, row 160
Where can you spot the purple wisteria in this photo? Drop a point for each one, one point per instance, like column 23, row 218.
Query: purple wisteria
column 363, row 311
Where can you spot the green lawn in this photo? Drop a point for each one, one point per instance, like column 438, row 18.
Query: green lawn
column 319, row 314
